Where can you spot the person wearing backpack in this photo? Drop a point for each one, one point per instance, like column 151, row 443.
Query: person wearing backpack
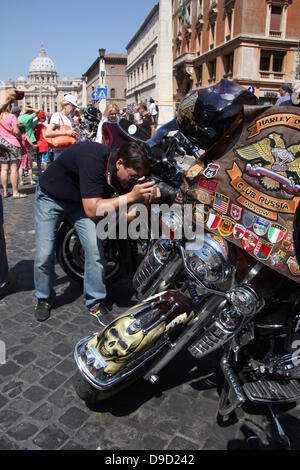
column 153, row 108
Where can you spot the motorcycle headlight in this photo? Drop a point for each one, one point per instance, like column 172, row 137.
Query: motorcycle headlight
column 210, row 262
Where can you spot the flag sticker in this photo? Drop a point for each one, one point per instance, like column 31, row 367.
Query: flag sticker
column 221, row 203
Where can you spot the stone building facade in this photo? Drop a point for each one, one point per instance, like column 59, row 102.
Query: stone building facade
column 115, row 79
column 44, row 89
column 142, row 60
column 253, row 42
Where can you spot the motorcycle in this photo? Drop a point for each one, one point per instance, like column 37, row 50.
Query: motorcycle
column 235, row 288
column 122, row 255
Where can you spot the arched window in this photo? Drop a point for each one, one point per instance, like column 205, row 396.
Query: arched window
column 113, row 93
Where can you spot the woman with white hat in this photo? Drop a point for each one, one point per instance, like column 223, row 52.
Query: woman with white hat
column 68, row 106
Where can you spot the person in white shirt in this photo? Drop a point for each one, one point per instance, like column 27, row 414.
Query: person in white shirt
column 69, row 104
column 153, row 111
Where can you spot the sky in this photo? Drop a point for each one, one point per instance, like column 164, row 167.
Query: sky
column 72, row 32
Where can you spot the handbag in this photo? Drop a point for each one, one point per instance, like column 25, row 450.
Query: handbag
column 60, row 141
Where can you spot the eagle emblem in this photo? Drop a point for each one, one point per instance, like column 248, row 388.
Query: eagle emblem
column 273, row 163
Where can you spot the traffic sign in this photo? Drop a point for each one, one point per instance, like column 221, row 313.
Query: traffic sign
column 93, row 95
column 251, row 89
column 101, row 93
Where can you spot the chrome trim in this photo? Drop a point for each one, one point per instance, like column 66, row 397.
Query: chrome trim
column 133, row 367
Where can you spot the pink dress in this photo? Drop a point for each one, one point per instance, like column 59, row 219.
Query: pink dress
column 9, row 140
column 25, row 163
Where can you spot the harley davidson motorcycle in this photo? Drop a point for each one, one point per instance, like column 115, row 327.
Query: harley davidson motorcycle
column 236, row 290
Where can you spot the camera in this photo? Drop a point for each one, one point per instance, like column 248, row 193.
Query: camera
column 19, row 94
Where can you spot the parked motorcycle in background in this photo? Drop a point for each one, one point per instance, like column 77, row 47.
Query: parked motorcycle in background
column 235, row 288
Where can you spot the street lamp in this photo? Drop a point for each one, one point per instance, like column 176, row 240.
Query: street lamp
column 102, row 53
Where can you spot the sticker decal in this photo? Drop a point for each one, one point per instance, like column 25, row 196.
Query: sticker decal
column 249, row 240
column 226, row 227
column 211, row 170
column 261, row 226
column 236, row 212
column 293, row 266
column 275, row 165
column 276, row 233
column 264, row 201
column 221, row 203
column 263, row 250
column 277, row 260
column 288, row 243
column 248, row 219
column 239, row 231
column 213, row 221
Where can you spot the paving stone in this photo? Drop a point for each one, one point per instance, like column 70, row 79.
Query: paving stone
column 7, row 444
column 14, row 388
column 181, row 443
column 63, row 350
column 28, row 339
column 66, row 366
column 3, row 401
column 53, row 380
column 51, row 438
column 48, row 362
column 10, row 368
column 21, row 405
column 7, row 324
column 62, row 397
column 7, row 417
column 44, row 413
column 71, row 445
column 55, row 338
column 35, row 393
column 73, row 418
column 31, row 374
column 25, row 358
column 22, row 431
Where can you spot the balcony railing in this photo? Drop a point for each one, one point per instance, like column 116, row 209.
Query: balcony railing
column 275, row 34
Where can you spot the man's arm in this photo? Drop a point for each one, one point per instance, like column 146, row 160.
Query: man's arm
column 98, row 206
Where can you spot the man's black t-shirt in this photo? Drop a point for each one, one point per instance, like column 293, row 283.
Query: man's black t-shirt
column 80, row 172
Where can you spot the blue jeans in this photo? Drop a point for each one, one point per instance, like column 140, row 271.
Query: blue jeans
column 48, row 216
column 3, row 257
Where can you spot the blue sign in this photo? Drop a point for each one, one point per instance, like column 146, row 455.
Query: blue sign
column 251, row 89
column 101, row 93
column 93, row 95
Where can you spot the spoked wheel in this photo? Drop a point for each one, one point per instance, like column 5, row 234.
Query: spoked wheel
column 70, row 255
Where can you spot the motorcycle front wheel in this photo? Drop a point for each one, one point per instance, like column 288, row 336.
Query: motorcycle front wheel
column 70, row 255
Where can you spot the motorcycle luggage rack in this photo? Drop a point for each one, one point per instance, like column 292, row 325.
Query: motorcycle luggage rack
column 271, row 391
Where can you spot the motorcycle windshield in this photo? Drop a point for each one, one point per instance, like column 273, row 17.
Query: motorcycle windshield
column 163, row 132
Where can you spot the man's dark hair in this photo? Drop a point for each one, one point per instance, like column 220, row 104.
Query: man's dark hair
column 135, row 155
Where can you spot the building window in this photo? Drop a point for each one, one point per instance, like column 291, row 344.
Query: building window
column 212, row 30
column 198, row 71
column 113, row 93
column 272, row 61
column 228, row 25
column 212, row 69
column 200, row 8
column 276, row 14
column 228, row 61
column 198, row 43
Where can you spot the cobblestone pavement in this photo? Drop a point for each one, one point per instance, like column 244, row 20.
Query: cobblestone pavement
column 39, row 408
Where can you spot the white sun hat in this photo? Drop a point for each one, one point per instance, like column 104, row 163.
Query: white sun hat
column 71, row 99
